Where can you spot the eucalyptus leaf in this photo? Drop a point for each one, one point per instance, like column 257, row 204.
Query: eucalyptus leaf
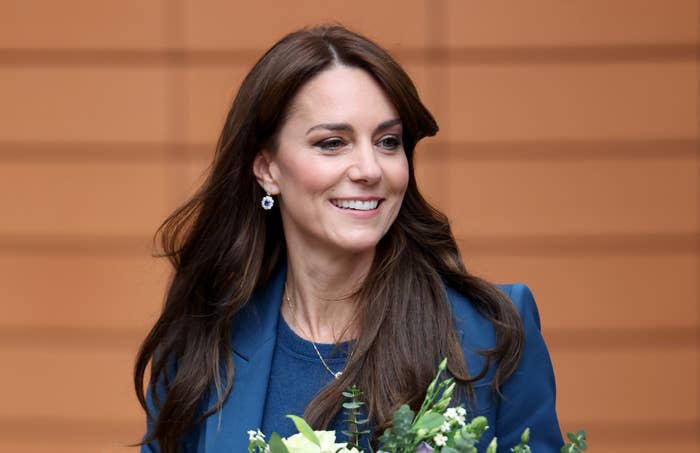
column 353, row 405
column 447, row 449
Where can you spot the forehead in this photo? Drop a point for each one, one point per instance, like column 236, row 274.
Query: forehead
column 342, row 94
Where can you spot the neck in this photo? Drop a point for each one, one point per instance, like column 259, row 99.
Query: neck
column 320, row 288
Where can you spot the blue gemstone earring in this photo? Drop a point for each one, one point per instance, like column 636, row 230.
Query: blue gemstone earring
column 267, row 202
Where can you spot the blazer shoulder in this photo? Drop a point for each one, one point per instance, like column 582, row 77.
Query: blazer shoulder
column 476, row 330
column 524, row 301
column 519, row 294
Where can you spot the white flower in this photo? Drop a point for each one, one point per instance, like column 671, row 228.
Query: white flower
column 456, row 415
column 256, row 435
column 450, row 413
column 300, row 444
column 440, row 440
column 445, row 427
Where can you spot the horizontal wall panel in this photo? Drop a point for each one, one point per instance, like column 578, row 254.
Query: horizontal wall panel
column 603, row 292
column 561, row 150
column 628, row 386
column 239, row 25
column 118, row 199
column 82, row 24
column 50, row 104
column 618, row 197
column 109, row 292
column 631, row 446
column 63, row 434
column 432, row 176
column 210, row 93
column 571, row 101
column 557, row 23
column 69, row 385
column 32, row 445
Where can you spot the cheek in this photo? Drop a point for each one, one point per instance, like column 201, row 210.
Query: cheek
column 306, row 176
column 397, row 175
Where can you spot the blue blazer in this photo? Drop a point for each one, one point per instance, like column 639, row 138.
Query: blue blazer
column 528, row 396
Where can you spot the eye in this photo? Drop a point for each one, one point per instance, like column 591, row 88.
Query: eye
column 390, row 142
column 330, row 144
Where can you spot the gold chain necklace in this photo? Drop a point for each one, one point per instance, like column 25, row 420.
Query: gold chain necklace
column 335, row 374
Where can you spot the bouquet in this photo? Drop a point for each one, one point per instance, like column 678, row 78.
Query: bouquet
column 435, row 428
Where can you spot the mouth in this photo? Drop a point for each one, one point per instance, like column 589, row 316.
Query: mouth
column 357, row 205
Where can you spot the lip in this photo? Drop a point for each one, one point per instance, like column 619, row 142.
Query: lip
column 358, row 214
column 359, row 198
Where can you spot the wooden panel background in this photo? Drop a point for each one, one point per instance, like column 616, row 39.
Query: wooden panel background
column 568, row 159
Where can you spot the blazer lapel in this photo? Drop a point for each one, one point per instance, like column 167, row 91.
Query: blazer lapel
column 253, row 341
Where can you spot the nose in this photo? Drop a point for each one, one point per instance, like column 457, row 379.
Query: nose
column 365, row 167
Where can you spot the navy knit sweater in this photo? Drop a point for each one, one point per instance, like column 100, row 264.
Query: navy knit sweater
column 296, row 376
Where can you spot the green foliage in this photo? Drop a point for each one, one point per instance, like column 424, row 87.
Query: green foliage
column 399, row 437
column 522, row 447
column 577, row 443
column 276, row 444
column 304, row 429
column 434, row 421
column 493, row 445
column 442, row 428
column 353, row 406
column 465, row 439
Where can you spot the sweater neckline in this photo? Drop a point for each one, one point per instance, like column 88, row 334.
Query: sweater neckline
column 331, row 352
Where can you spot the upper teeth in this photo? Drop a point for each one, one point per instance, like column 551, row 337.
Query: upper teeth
column 356, row 204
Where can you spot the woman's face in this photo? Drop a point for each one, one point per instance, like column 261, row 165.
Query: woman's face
column 340, row 170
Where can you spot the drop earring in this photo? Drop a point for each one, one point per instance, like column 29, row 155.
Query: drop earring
column 267, row 202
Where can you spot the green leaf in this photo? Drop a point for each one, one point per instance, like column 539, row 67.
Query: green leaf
column 403, row 418
column 429, row 421
column 447, row 449
column 305, row 429
column 353, row 405
column 276, row 444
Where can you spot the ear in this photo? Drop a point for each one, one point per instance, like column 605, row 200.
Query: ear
column 265, row 172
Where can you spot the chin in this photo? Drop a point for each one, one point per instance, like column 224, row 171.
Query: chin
column 358, row 245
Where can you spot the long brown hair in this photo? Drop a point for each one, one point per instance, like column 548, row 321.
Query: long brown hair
column 223, row 246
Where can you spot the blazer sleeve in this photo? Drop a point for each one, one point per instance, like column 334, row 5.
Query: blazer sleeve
column 529, row 395
column 151, row 447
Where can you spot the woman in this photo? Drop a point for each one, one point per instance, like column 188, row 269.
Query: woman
column 308, row 261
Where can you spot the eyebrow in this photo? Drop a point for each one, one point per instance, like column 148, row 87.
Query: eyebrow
column 347, row 127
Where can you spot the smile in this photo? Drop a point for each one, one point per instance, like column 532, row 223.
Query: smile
column 357, row 205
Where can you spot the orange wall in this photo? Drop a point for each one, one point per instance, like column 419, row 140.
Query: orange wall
column 567, row 158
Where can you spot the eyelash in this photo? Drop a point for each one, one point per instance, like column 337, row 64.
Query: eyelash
column 335, row 143
column 330, row 144
column 395, row 139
